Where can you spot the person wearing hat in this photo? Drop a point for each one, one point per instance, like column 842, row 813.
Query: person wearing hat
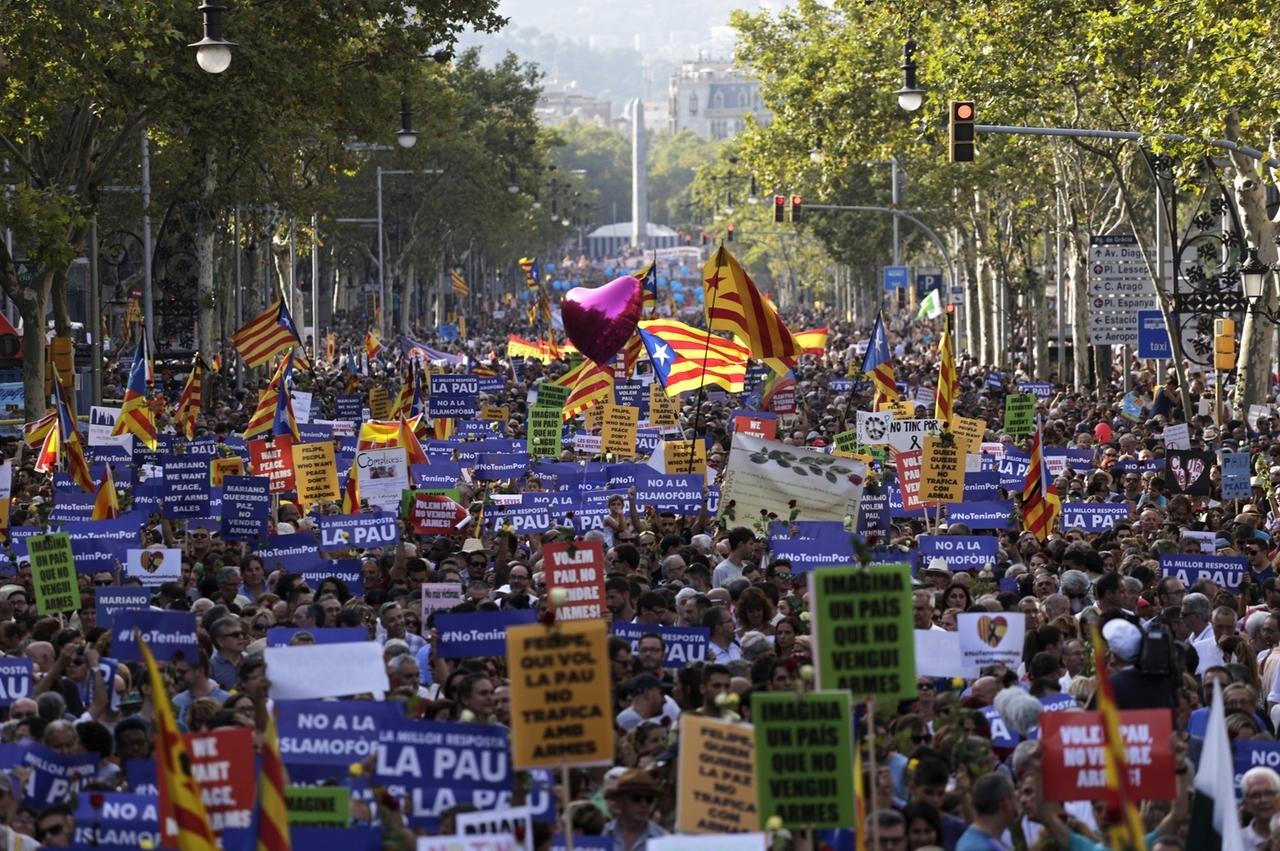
column 1133, row 689
column 648, row 702
column 631, row 801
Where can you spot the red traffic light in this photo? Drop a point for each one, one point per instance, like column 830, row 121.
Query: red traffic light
column 964, row 111
column 779, row 208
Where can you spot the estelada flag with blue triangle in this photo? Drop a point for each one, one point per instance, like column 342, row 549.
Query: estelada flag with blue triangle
column 69, row 438
column 136, row 417
column 878, row 363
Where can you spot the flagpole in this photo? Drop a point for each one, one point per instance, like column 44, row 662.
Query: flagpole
column 706, row 353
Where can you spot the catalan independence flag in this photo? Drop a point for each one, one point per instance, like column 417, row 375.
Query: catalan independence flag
column 648, row 278
column 191, row 400
column 179, row 792
column 260, row 422
column 878, row 363
column 34, row 433
column 267, row 335
column 734, row 304
column 1040, row 502
column 283, row 422
column 458, row 284
column 351, row 493
column 685, row 358
column 948, row 383
column 270, row 812
column 529, row 265
column 1127, row 832
column 372, row 345
column 590, row 384
column 69, row 438
column 136, row 417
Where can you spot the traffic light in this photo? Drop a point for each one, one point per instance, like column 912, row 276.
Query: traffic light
column 796, row 202
column 779, row 208
column 1224, row 344
column 729, row 233
column 963, row 132
column 704, row 237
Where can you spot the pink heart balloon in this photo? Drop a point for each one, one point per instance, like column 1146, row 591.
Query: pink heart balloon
column 600, row 321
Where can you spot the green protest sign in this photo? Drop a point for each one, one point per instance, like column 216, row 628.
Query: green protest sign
column 544, row 431
column 318, row 806
column 53, row 573
column 553, row 395
column 804, row 757
column 863, row 636
column 1019, row 413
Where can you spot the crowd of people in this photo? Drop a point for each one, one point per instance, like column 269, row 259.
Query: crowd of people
column 942, row 778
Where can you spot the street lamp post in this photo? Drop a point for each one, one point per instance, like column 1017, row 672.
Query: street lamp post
column 382, row 274
column 213, row 52
column 910, row 96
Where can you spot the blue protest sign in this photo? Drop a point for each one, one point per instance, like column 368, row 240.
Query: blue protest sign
column 108, row 600
column 1058, row 703
column 981, row 486
column 246, row 507
column 99, row 544
column 16, row 679
column 1235, row 474
column 287, row 551
column 18, row 538
column 440, row 473
column 451, row 405
column 1093, row 516
column 873, row 515
column 478, row 633
column 896, row 511
column 280, row 636
column 1153, row 336
column 1013, row 469
column 633, row 393
column 815, row 544
column 524, row 518
column 120, row 821
column 499, row 466
column 328, row 839
column 169, row 634
column 1002, row 736
column 362, row 531
column 986, row 514
column 71, row 505
column 1251, row 753
column 435, row 754
column 647, row 441
column 475, row 428
column 1154, row 465
column 186, row 486
column 995, row 382
column 321, row 732
column 441, row 448
column 1039, row 389
column 315, row 432
column 455, row 385
column 686, row 645
column 626, row 475
column 349, row 408
column 679, row 493
column 961, row 552
column 1077, row 460
column 490, row 383
column 896, row 278
column 1224, row 571
column 345, row 569
column 55, row 776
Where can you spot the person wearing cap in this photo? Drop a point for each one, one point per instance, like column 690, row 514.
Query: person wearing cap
column 648, row 701
column 631, row 801
column 1132, row 688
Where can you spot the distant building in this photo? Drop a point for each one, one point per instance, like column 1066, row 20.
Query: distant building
column 713, row 99
column 615, row 239
column 556, row 108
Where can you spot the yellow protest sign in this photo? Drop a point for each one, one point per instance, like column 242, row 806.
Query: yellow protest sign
column 942, row 471
column 618, row 429
column 717, row 779
column 685, row 456
column 561, row 699
column 220, row 468
column 968, row 432
column 663, row 409
column 315, row 472
column 379, row 403
column 495, row 413
column 903, row 409
column 592, row 418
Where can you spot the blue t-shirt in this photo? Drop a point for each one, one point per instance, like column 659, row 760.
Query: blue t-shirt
column 974, row 839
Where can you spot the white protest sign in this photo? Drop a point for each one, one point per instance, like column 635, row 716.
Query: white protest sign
column 154, row 565
column 516, row 821
column 1177, row 436
column 457, row 842
column 1255, row 413
column 989, row 639
column 909, row 435
column 306, row 672
column 764, row 474
column 1206, row 540
column 101, row 422
column 937, row 653
column 709, row 842
column 873, row 428
column 384, row 473
column 301, row 405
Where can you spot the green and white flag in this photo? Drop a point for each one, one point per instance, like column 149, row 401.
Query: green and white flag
column 931, row 307
column 1214, row 821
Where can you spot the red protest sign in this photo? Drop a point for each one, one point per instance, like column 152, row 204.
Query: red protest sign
column 755, row 426
column 274, row 459
column 909, row 464
column 222, row 764
column 577, row 567
column 1075, row 767
column 435, row 514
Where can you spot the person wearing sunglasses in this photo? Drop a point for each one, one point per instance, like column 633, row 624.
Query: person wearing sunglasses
column 631, row 801
column 779, row 574
column 56, row 827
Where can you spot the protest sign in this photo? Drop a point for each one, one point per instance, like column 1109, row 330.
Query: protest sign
column 439, row 597
column 274, row 460
column 282, row 636
column 1093, row 517
column 16, row 679
column 379, row 403
column 763, row 474
column 618, row 429
column 990, row 639
column 907, row 435
column 186, row 485
column 804, row 757
column 154, row 565
column 756, row 424
column 909, row 466
column 873, row 428
column 1224, row 571
column 552, row 395
column 54, row 776
column 246, row 507
column 457, row 756
column 116, row 820
column 170, row 635
column 348, row 407
column 1019, row 413
column 108, row 600
column 53, row 573
column 993, row 514
column 685, row 645
column 722, row 842
column 6, row 492
column 937, row 653
column 1013, row 466
column 1074, row 763
column 1187, row 471
column 1235, row 474
column 1251, row 753
column 543, row 431
column 941, row 471
column 1177, row 436
column 306, row 671
column 318, row 806
column 862, row 630
column 221, row 468
column 315, row 472
column 514, row 821
column 968, row 432
column 814, row 544
column 287, row 552
column 501, row 466
column 685, row 456
column 961, row 552
column 435, row 513
column 362, row 531
column 462, row 636
column 222, row 764
column 677, row 492
column 663, row 409
column 316, row 732
column 384, row 474
column 716, row 774
column 578, row 568
column 561, row 697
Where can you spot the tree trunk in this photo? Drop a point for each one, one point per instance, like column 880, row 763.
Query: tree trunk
column 61, row 306
column 407, row 282
column 31, row 307
column 1254, row 365
column 206, row 301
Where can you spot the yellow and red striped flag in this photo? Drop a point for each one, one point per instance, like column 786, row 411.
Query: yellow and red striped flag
column 1127, row 830
column 271, row 814
column 459, row 284
column 191, row 401
column 106, row 505
column 685, row 358
column 813, row 341
column 351, row 493
column 878, row 363
column 444, row 427
column 264, row 415
column 734, row 304
column 1040, row 502
column 948, row 384
column 266, row 335
column 35, row 433
column 47, row 459
column 591, row 384
column 189, row 828
column 412, row 448
column 136, row 417
column 69, row 438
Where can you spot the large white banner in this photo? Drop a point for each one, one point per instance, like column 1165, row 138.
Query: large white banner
column 765, row 475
